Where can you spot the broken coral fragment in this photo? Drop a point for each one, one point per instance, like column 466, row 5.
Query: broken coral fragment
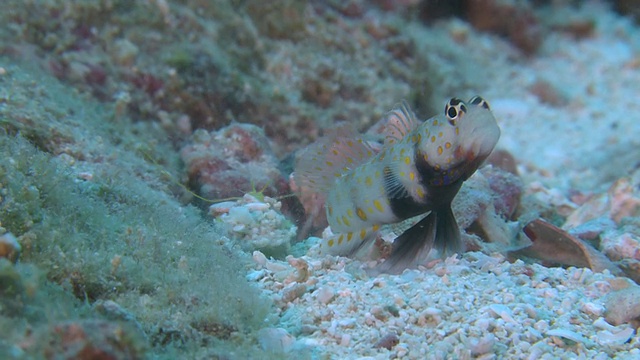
column 554, row 246
column 256, row 224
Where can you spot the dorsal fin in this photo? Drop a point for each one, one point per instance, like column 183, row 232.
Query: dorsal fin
column 399, row 122
column 318, row 165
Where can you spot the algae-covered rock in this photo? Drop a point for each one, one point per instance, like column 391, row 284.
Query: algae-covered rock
column 96, row 215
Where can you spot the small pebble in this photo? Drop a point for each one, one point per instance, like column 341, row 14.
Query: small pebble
column 259, row 258
column 593, row 309
column 275, row 340
column 609, row 338
column 388, row 341
column 623, row 305
column 325, row 294
column 221, row 208
column 568, row 334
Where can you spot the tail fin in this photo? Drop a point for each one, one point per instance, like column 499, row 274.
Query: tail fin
column 439, row 229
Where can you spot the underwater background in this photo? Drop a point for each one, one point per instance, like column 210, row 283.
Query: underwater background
column 147, row 208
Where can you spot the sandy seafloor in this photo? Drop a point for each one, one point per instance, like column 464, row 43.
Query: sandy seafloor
column 476, row 305
column 483, row 307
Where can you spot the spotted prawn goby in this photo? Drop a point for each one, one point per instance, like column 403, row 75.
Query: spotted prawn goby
column 419, row 169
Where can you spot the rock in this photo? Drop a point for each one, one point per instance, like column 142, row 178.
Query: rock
column 388, row 341
column 232, row 161
column 92, row 339
column 9, row 247
column 514, row 20
column 275, row 340
column 623, row 306
column 256, row 224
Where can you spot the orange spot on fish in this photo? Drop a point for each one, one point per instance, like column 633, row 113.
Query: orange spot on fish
column 378, row 205
column 368, row 181
column 361, row 214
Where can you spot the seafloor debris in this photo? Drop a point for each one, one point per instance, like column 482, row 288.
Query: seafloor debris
column 610, row 220
column 620, row 201
column 554, row 246
column 257, row 224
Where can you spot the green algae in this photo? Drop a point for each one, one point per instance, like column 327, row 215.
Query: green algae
column 100, row 223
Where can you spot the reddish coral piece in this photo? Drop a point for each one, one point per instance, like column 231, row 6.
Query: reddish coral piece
column 147, row 82
column 93, row 340
column 508, row 189
column 96, row 76
column 515, row 21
